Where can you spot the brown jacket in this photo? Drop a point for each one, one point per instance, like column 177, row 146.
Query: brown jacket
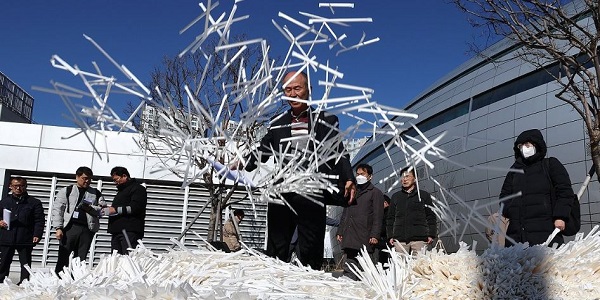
column 231, row 236
column 496, row 221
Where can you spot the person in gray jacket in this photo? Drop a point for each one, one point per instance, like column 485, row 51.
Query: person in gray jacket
column 75, row 217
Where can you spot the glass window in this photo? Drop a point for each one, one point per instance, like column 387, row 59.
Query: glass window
column 20, row 94
column 28, row 100
column 18, row 105
column 9, row 99
column 27, row 112
column 9, row 85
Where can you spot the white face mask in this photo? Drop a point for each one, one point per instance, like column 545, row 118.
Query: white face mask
column 361, row 179
column 527, row 151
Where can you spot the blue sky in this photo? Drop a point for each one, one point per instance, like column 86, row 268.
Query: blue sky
column 421, row 41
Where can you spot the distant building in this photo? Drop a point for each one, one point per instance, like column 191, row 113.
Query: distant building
column 152, row 123
column 16, row 105
column 354, row 145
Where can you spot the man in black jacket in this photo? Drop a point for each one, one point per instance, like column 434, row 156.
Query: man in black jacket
column 411, row 223
column 25, row 229
column 289, row 132
column 127, row 211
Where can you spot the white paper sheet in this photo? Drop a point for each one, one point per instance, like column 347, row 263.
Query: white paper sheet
column 233, row 175
column 6, row 218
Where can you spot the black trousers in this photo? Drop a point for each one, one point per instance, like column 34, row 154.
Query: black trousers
column 118, row 241
column 282, row 222
column 77, row 238
column 6, row 258
column 352, row 259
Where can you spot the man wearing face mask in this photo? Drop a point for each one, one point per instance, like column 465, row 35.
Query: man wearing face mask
column 534, row 215
column 361, row 222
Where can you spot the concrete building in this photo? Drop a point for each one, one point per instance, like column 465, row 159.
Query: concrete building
column 152, row 123
column 353, row 146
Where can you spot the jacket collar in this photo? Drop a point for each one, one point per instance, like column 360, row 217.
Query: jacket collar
column 130, row 181
column 414, row 190
column 23, row 197
column 365, row 188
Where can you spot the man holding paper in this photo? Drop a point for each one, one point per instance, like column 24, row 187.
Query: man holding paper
column 26, row 227
column 127, row 213
column 75, row 217
column 293, row 131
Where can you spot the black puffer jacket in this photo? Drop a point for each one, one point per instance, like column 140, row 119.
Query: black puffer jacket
column 532, row 215
column 131, row 200
column 27, row 220
column 410, row 219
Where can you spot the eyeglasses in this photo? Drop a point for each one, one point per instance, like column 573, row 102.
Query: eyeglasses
column 18, row 186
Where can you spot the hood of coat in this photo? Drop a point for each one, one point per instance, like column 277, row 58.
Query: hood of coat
column 535, row 137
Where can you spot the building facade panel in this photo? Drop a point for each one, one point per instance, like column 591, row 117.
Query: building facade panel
column 530, row 106
column 485, row 79
column 16, row 134
column 13, row 157
column 506, row 72
column 565, row 133
column 536, row 120
column 63, row 161
column 561, row 114
column 569, row 152
column 501, row 116
column 71, row 138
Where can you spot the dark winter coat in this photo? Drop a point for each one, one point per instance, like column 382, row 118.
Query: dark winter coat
column 325, row 128
column 532, row 215
column 131, row 199
column 27, row 220
column 410, row 219
column 362, row 220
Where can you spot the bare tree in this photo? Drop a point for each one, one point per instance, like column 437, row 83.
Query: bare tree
column 559, row 37
column 194, row 98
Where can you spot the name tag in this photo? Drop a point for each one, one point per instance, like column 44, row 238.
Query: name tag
column 76, row 215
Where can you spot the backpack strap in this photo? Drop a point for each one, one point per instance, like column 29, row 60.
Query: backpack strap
column 546, row 167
